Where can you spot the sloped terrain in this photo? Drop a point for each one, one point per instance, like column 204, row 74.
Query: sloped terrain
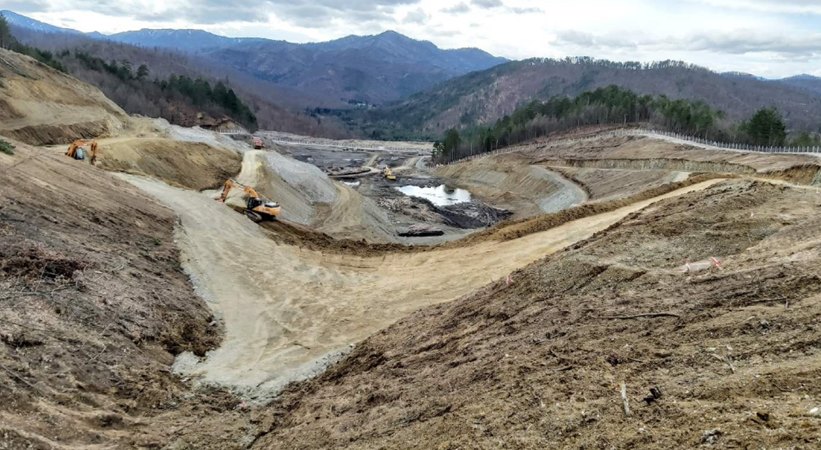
column 288, row 311
column 309, row 197
column 189, row 164
column 93, row 308
column 605, row 184
column 510, row 182
column 128, row 324
column 538, row 361
column 41, row 106
column 484, row 97
column 371, row 69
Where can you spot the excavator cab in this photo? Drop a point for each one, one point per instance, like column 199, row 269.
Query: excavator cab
column 257, row 207
column 77, row 150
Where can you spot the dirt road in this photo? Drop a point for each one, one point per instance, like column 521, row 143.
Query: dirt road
column 568, row 195
column 286, row 311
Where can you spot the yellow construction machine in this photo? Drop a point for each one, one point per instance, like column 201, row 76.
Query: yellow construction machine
column 388, row 174
column 77, row 150
column 257, row 207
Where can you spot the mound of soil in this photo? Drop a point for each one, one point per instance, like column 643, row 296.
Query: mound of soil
column 728, row 357
column 42, row 106
column 186, row 164
column 310, row 198
column 506, row 181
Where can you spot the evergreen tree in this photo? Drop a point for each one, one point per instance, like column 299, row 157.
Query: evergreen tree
column 451, row 143
column 7, row 41
column 142, row 71
column 766, row 127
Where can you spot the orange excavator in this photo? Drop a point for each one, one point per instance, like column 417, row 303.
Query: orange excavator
column 77, row 150
column 257, row 207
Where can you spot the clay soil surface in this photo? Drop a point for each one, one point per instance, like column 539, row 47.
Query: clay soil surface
column 137, row 312
column 726, row 357
column 94, row 306
column 287, row 311
column 40, row 105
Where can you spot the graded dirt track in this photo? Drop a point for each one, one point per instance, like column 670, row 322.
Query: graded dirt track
column 286, row 311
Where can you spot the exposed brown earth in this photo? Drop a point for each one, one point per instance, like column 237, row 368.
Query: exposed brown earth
column 93, row 308
column 538, row 363
column 450, row 351
column 42, row 106
column 186, row 164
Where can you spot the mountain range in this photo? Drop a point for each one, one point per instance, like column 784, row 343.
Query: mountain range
column 484, row 96
column 351, row 70
column 412, row 88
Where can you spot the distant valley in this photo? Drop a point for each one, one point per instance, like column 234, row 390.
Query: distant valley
column 392, row 86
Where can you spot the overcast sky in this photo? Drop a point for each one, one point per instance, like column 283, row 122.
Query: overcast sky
column 765, row 37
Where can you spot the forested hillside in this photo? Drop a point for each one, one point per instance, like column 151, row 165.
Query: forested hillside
column 483, row 97
column 274, row 108
column 178, row 98
column 616, row 106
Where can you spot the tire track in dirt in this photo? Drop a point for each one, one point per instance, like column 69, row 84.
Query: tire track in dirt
column 287, row 312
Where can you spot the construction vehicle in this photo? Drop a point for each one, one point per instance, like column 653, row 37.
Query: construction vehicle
column 257, row 207
column 388, row 174
column 77, row 150
column 258, row 144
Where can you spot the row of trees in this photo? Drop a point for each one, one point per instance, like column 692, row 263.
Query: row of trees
column 610, row 105
column 629, row 65
column 613, row 105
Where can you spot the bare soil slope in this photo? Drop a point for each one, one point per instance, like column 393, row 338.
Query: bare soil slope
column 509, row 181
column 308, row 197
column 606, row 151
column 93, row 308
column 41, row 106
column 187, row 164
column 288, row 310
column 537, row 362
column 606, row 184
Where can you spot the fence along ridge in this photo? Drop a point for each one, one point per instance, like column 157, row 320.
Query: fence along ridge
column 683, row 137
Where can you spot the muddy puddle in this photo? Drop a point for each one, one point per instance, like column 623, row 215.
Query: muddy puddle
column 441, row 195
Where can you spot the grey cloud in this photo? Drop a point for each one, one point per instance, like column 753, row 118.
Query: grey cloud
column 360, row 10
column 204, row 12
column 488, row 3
column 526, row 10
column 313, row 13
column 24, row 6
column 457, row 9
column 735, row 43
column 416, row 16
column 755, row 42
column 589, row 40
